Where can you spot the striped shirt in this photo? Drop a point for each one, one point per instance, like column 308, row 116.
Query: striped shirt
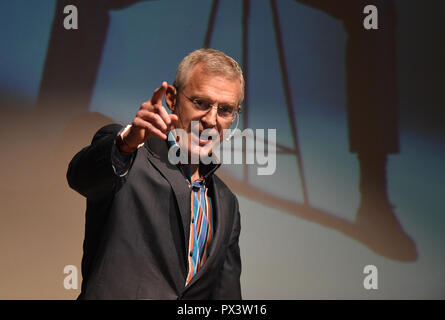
column 201, row 226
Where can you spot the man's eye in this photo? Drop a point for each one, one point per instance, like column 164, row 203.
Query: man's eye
column 226, row 109
column 201, row 104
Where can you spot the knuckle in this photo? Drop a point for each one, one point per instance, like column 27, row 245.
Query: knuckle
column 148, row 115
column 161, row 121
column 135, row 122
column 146, row 106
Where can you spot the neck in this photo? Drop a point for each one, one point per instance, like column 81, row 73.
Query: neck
column 194, row 171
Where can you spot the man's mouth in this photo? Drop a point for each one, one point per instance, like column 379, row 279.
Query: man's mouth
column 202, row 140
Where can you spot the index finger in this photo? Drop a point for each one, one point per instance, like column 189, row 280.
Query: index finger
column 158, row 94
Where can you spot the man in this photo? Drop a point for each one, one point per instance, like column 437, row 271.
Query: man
column 157, row 230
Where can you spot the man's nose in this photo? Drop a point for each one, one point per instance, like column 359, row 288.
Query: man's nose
column 210, row 118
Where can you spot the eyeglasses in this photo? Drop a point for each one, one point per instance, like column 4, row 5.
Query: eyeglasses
column 224, row 111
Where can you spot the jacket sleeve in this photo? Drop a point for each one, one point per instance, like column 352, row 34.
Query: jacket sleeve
column 90, row 172
column 229, row 287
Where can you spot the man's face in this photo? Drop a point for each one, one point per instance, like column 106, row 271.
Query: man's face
column 215, row 90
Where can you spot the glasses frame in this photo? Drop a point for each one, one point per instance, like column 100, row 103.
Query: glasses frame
column 212, row 106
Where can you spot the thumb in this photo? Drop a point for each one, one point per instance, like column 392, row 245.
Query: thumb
column 174, row 120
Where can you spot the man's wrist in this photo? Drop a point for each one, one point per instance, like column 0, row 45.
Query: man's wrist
column 123, row 146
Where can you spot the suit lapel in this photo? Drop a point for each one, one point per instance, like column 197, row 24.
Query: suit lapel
column 158, row 156
column 219, row 219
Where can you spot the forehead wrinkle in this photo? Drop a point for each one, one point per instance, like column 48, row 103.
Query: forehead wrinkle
column 197, row 80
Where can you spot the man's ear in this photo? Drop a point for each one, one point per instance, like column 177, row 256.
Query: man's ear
column 237, row 110
column 170, row 97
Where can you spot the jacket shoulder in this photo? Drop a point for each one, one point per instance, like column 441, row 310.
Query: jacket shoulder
column 109, row 129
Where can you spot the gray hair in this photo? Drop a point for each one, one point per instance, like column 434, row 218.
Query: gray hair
column 214, row 62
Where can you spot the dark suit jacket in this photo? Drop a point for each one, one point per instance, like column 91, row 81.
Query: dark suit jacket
column 137, row 227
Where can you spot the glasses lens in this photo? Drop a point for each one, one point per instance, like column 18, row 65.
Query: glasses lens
column 201, row 105
column 225, row 111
